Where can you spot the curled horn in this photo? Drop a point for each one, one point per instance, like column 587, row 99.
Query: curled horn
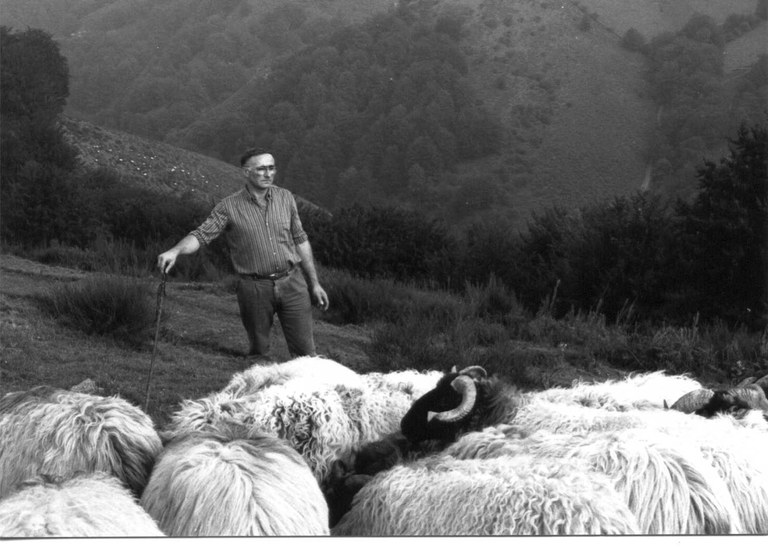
column 693, row 400
column 746, row 381
column 477, row 372
column 466, row 386
column 750, row 396
column 763, row 383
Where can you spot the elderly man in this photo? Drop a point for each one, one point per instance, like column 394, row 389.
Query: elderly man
column 269, row 250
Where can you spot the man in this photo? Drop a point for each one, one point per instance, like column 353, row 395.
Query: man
column 269, row 250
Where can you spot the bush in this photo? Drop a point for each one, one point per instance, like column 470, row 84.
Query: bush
column 356, row 300
column 384, row 242
column 633, row 40
column 120, row 307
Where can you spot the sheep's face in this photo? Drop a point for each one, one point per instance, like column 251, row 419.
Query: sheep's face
column 420, row 422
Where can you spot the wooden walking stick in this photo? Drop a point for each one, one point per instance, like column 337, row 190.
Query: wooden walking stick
column 158, row 314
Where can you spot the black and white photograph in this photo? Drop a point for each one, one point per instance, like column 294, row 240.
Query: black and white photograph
column 400, row 270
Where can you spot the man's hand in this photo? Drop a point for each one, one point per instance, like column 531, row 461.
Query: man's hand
column 320, row 297
column 166, row 260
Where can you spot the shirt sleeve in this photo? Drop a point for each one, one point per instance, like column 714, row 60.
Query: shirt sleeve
column 297, row 230
column 213, row 226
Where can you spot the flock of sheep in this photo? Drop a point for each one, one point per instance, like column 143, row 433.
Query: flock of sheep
column 310, row 447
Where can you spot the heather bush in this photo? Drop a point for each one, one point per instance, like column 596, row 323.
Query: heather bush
column 116, row 306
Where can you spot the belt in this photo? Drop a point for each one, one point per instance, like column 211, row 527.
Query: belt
column 270, row 277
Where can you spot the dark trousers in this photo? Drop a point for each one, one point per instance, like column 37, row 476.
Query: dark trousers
column 260, row 299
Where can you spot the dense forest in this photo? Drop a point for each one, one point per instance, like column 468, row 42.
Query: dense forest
column 385, row 111
column 697, row 103
column 637, row 256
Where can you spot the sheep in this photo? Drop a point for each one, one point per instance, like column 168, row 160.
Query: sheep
column 51, row 431
column 707, row 402
column 316, row 371
column 640, row 391
column 469, row 401
column 221, row 484
column 440, row 495
column 669, row 486
column 96, row 505
column 322, row 417
column 735, row 447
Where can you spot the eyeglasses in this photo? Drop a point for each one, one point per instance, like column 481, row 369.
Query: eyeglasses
column 260, row 168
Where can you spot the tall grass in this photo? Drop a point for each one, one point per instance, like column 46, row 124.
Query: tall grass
column 485, row 325
column 116, row 306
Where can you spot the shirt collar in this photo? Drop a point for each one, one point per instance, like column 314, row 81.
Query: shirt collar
column 249, row 195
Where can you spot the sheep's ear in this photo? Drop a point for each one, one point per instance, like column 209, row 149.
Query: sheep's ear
column 666, row 406
column 454, row 370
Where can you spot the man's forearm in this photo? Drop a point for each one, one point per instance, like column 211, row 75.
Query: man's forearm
column 187, row 246
column 308, row 262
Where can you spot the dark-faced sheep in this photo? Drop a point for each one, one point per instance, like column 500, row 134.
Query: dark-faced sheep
column 697, row 498
column 55, row 432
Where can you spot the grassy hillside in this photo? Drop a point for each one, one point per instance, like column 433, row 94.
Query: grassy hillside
column 154, row 165
column 194, row 357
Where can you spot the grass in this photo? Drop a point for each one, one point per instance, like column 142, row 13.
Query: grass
column 116, row 306
column 60, row 326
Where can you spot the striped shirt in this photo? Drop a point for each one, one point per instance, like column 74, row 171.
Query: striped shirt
column 262, row 239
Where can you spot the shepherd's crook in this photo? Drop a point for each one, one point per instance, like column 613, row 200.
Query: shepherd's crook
column 158, row 313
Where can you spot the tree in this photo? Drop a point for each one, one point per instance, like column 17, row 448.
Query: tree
column 723, row 234
column 34, row 74
column 633, row 40
column 37, row 200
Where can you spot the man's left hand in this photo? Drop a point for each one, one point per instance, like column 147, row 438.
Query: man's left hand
column 321, row 299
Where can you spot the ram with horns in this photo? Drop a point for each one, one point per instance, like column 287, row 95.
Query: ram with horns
column 469, row 401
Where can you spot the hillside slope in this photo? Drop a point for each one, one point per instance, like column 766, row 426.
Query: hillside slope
column 155, row 165
column 574, row 104
column 652, row 17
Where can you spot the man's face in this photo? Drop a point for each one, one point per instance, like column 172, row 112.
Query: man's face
column 260, row 171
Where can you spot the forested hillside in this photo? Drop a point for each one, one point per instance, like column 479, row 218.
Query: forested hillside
column 467, row 108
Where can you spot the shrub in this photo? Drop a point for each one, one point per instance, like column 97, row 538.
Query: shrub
column 633, row 40
column 120, row 307
column 357, row 300
column 384, row 242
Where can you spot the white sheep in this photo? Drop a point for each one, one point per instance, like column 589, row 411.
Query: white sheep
column 667, row 484
column 603, row 426
column 322, row 412
column 221, row 484
column 50, row 431
column 316, row 371
column 440, row 495
column 646, row 390
column 85, row 506
column 734, row 446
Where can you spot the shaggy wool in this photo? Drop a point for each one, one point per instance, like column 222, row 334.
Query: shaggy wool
column 440, row 495
column 322, row 418
column 224, row 485
column 734, row 446
column 668, row 485
column 49, row 431
column 640, row 391
column 85, row 506
column 318, row 371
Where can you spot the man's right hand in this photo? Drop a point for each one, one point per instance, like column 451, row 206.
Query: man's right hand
column 166, row 260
